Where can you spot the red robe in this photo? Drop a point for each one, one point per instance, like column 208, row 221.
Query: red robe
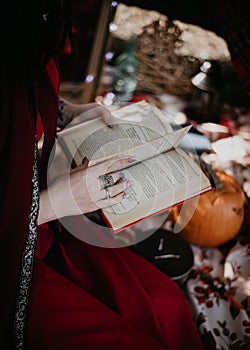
column 82, row 296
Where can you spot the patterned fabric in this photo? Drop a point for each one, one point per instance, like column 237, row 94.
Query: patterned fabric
column 47, row 112
column 27, row 259
column 219, row 293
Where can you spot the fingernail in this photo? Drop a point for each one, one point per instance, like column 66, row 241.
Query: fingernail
column 121, row 176
column 132, row 159
column 110, row 125
column 129, row 184
column 125, row 195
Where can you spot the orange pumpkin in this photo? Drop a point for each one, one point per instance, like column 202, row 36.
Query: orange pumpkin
column 217, row 217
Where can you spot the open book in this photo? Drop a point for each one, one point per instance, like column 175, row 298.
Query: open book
column 163, row 175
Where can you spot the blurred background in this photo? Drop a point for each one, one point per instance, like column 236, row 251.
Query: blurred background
column 190, row 59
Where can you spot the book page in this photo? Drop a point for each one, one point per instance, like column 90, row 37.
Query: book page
column 142, row 112
column 146, row 150
column 158, row 184
column 134, row 125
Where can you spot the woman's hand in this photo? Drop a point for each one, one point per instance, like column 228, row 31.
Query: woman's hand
column 79, row 113
column 75, row 114
column 81, row 191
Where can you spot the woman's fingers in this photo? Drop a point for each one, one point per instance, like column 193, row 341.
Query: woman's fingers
column 115, row 194
column 113, row 191
column 108, row 180
column 92, row 111
column 106, row 116
column 98, row 110
column 113, row 200
column 99, row 186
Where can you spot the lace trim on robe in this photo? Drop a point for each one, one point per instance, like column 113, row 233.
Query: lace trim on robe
column 27, row 259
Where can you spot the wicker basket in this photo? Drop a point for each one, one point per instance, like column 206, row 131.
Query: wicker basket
column 161, row 70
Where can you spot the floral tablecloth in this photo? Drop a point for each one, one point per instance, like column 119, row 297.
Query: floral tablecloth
column 218, row 290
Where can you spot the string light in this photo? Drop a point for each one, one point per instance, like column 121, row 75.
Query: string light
column 109, row 98
column 109, row 55
column 112, row 27
column 89, row 78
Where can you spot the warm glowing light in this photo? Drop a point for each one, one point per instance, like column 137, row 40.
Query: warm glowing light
column 89, row 78
column 113, row 27
column 109, row 55
column 207, row 65
column 110, row 95
column 107, row 101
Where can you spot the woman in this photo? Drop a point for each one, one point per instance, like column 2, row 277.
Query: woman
column 59, row 292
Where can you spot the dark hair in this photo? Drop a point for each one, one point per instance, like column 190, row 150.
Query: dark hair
column 32, row 31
